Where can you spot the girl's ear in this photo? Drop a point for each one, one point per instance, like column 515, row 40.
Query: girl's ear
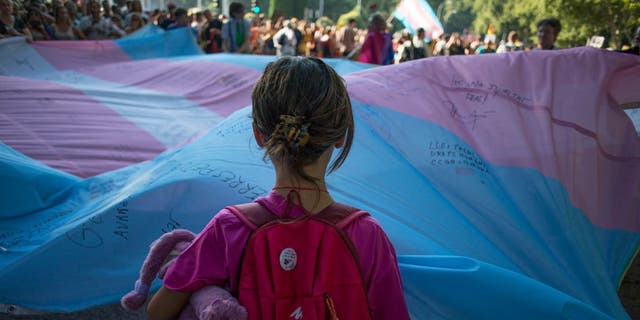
column 340, row 142
column 257, row 135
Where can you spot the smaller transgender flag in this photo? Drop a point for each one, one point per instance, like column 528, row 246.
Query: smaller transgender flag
column 416, row 14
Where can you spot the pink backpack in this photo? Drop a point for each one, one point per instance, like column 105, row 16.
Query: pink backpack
column 301, row 269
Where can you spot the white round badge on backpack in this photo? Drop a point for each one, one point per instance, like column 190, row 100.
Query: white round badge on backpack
column 288, row 259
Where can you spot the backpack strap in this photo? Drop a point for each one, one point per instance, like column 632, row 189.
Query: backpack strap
column 253, row 215
column 340, row 215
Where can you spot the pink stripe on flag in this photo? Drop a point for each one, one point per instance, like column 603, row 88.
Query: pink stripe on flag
column 68, row 130
column 547, row 110
column 220, row 87
column 73, row 55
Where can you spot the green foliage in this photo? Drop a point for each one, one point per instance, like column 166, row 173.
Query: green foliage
column 455, row 16
column 324, row 21
column 519, row 16
column 272, row 7
column 213, row 6
column 332, row 8
column 290, row 8
column 355, row 14
column 581, row 19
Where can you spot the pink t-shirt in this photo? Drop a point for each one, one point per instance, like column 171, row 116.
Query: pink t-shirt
column 214, row 258
column 372, row 47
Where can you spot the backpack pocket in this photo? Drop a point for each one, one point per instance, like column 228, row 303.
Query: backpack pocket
column 311, row 308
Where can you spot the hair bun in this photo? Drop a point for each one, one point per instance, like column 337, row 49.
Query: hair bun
column 293, row 130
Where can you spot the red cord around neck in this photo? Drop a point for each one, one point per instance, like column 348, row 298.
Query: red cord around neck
column 299, row 188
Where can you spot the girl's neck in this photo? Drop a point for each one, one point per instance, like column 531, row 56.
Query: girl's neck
column 312, row 197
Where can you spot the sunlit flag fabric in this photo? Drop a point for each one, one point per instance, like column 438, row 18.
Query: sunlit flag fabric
column 508, row 183
column 415, row 14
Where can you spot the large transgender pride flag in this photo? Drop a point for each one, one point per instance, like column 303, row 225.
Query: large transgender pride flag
column 415, row 14
column 508, row 183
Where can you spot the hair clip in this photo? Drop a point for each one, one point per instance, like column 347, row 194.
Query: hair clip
column 293, row 130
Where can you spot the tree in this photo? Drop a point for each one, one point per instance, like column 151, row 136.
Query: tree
column 455, row 16
column 355, row 14
column 332, row 8
column 290, row 8
column 581, row 19
column 517, row 15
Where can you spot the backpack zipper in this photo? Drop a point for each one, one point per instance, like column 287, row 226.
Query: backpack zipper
column 330, row 307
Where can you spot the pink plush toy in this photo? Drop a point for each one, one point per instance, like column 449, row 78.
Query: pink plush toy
column 211, row 302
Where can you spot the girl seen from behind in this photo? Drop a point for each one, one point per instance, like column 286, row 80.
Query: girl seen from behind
column 301, row 113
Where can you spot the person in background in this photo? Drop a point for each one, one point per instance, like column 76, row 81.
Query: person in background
column 547, row 32
column 302, row 44
column 347, row 38
column 486, row 47
column 40, row 29
column 403, row 42
column 257, row 30
column 122, row 7
column 169, row 18
column 11, row 25
column 512, row 43
column 106, row 9
column 74, row 15
column 413, row 48
column 299, row 36
column 310, row 38
column 115, row 11
column 372, row 48
column 439, row 48
column 182, row 19
column 135, row 8
column 236, row 32
column 285, row 40
column 62, row 28
column 325, row 42
column 97, row 27
column 197, row 20
column 210, row 40
column 136, row 23
column 387, row 48
column 117, row 22
column 636, row 44
column 44, row 9
column 454, row 45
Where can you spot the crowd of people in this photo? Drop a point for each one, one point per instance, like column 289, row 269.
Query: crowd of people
column 377, row 43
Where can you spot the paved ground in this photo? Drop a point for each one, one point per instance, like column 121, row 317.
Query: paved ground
column 629, row 294
column 111, row 312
